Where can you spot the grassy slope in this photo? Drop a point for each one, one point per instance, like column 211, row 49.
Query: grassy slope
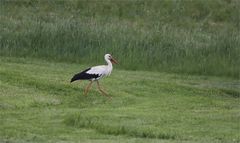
column 183, row 36
column 38, row 104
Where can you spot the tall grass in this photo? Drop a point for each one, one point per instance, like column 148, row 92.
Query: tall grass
column 192, row 37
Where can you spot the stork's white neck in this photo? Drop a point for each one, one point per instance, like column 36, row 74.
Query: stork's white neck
column 109, row 63
column 109, row 66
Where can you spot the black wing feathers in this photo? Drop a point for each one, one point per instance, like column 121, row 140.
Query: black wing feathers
column 84, row 76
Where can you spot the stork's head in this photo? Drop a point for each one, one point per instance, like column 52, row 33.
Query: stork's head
column 110, row 58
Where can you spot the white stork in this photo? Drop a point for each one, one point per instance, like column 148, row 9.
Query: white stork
column 95, row 73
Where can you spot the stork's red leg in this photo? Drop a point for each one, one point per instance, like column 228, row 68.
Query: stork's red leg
column 103, row 92
column 87, row 88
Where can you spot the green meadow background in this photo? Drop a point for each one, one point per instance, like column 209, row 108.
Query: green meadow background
column 177, row 80
column 180, row 36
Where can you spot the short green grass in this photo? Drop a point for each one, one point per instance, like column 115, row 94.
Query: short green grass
column 38, row 104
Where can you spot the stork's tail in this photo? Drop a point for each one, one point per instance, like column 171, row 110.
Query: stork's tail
column 75, row 77
column 83, row 76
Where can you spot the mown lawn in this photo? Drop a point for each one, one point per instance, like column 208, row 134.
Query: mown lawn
column 38, row 104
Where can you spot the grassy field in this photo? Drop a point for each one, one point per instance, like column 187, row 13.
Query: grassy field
column 38, row 104
column 177, row 81
column 177, row 36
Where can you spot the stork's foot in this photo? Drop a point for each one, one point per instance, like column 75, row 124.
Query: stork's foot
column 103, row 92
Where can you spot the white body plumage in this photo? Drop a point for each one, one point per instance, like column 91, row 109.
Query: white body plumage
column 102, row 70
column 96, row 73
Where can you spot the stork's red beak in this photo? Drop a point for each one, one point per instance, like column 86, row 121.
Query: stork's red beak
column 113, row 61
